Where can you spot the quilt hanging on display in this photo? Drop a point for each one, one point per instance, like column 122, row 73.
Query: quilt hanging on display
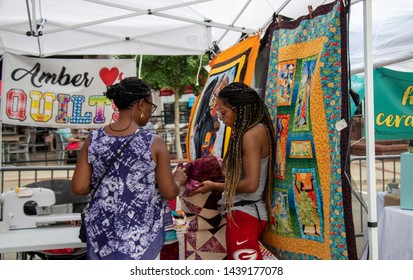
column 207, row 138
column 307, row 92
column 206, row 133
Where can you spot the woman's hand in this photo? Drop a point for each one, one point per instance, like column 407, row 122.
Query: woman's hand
column 179, row 175
column 206, row 186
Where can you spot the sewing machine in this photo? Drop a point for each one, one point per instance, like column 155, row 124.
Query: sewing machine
column 14, row 203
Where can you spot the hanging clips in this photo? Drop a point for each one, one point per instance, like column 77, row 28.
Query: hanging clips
column 310, row 11
column 214, row 50
column 274, row 17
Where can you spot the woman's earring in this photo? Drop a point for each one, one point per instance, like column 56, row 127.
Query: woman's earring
column 142, row 116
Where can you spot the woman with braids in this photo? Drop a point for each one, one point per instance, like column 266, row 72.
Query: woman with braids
column 248, row 165
column 129, row 195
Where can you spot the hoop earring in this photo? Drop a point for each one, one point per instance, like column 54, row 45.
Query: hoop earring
column 142, row 116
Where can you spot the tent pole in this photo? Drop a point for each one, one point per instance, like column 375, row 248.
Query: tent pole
column 209, row 37
column 31, row 18
column 213, row 24
column 136, row 13
column 156, row 12
column 234, row 21
column 370, row 137
column 170, row 7
column 33, row 23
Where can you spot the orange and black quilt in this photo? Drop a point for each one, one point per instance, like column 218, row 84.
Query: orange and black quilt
column 207, row 134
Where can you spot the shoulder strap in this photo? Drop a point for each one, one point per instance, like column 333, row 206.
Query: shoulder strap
column 120, row 152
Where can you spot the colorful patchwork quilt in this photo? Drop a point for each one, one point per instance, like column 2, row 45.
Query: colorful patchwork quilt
column 307, row 93
column 205, row 237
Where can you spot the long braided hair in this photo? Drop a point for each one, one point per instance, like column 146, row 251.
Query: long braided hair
column 250, row 110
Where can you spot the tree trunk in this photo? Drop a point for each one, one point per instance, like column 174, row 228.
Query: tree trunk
column 177, row 130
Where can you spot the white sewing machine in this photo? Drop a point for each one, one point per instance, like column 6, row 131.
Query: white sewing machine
column 13, row 208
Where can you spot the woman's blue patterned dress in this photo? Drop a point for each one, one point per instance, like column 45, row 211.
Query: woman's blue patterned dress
column 124, row 219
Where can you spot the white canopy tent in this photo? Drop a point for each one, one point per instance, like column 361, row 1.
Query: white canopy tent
column 179, row 27
column 159, row 27
column 379, row 35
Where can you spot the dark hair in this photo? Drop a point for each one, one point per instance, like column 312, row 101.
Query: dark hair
column 250, row 110
column 128, row 92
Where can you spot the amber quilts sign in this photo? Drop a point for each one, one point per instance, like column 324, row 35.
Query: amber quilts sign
column 207, row 134
column 52, row 92
column 306, row 91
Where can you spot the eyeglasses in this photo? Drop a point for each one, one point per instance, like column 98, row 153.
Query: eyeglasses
column 154, row 107
column 221, row 114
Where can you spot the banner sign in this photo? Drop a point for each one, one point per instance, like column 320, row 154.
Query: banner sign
column 393, row 104
column 45, row 92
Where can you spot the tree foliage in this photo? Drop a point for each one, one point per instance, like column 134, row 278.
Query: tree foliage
column 173, row 72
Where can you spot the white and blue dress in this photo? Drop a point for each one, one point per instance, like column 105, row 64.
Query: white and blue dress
column 125, row 217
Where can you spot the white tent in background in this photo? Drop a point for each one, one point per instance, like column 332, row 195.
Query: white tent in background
column 377, row 39
column 182, row 27
column 392, row 40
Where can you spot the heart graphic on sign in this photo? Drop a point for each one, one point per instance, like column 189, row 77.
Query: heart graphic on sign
column 109, row 76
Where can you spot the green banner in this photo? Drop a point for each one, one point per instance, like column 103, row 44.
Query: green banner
column 393, row 104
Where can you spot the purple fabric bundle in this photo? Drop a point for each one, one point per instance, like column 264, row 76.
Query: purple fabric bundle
column 201, row 169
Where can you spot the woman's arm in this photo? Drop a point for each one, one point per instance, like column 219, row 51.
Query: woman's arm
column 83, row 172
column 253, row 149
column 255, row 146
column 168, row 183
